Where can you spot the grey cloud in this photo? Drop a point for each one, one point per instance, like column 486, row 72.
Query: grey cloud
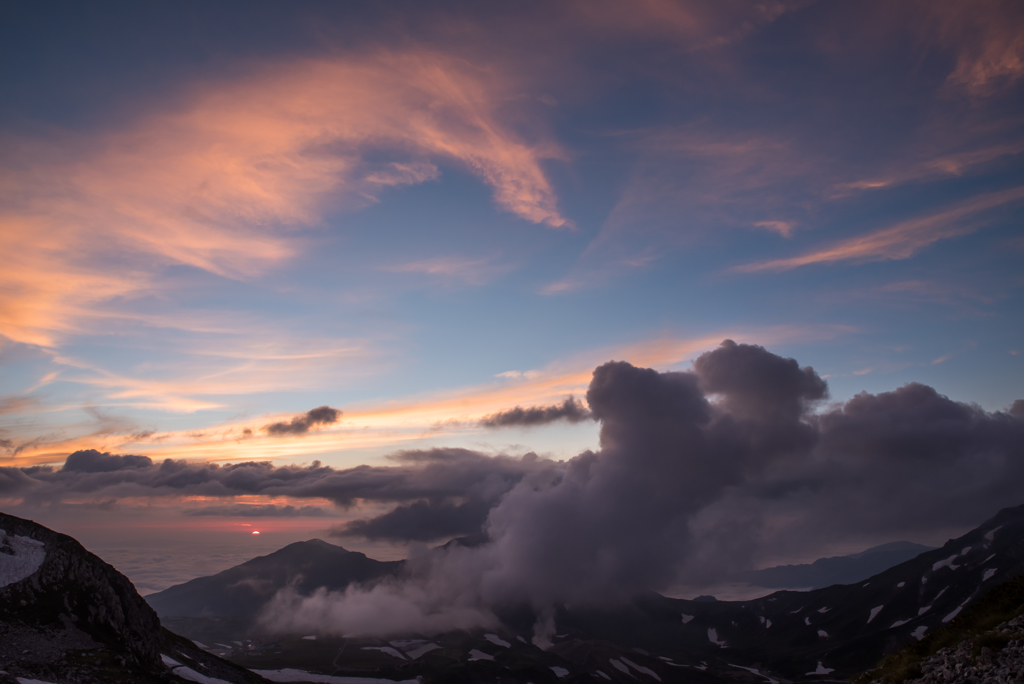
column 569, row 410
column 758, row 384
column 299, row 425
column 455, row 482
column 422, row 521
column 6, row 444
column 260, row 511
column 1017, row 409
column 92, row 461
column 700, row 474
column 14, row 480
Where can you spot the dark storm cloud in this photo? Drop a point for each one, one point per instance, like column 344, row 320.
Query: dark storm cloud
column 569, row 410
column 700, row 474
column 260, row 511
column 422, row 521
column 299, row 425
column 456, row 484
column 757, row 384
column 92, row 461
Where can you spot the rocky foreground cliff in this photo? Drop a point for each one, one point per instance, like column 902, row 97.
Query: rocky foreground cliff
column 66, row 617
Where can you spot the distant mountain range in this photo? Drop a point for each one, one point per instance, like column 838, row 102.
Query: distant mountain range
column 66, row 617
column 839, row 630
column 825, row 572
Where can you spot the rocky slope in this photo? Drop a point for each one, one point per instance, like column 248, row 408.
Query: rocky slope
column 972, row 662
column 67, row 617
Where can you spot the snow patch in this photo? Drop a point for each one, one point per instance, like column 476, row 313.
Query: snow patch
column 479, row 655
column 422, row 650
column 521, row 639
column 497, row 640
column 955, row 612
column 898, row 623
column 767, row 624
column 822, row 670
column 991, row 534
column 641, row 668
column 988, row 559
column 713, row 637
column 290, row 674
column 919, row 632
column 823, row 634
column 559, row 671
column 988, row 574
column 794, row 612
column 24, row 557
column 924, row 610
column 386, row 649
column 807, row 621
column 755, row 671
column 686, row 618
column 946, row 563
column 169, row 661
column 311, row 637
column 23, row 680
column 193, row 676
column 602, row 674
column 901, row 585
column 875, row 611
column 824, row 610
column 620, row 666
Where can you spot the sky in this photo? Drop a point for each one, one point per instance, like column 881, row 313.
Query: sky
column 311, row 244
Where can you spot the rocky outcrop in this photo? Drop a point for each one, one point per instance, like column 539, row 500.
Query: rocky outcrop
column 66, row 617
column 995, row 657
column 75, row 593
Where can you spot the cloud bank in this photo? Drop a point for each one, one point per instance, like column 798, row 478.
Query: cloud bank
column 699, row 474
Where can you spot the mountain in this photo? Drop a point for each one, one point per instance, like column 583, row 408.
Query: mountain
column 66, row 617
column 825, row 572
column 241, row 591
column 834, row 632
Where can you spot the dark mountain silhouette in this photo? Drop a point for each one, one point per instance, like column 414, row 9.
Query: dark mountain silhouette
column 849, row 569
column 829, row 633
column 243, row 590
column 67, row 617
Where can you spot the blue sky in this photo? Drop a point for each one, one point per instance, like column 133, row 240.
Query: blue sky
column 218, row 217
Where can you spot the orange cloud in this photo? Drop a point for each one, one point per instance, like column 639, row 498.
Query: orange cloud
column 386, row 426
column 900, row 241
column 987, row 37
column 217, row 180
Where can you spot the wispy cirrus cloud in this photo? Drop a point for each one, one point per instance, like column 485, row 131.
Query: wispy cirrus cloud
column 219, row 179
column 453, row 269
column 901, row 241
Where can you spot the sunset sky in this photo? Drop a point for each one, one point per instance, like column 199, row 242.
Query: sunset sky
column 217, row 217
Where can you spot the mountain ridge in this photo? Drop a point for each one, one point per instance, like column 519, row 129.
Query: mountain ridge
column 68, row 617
